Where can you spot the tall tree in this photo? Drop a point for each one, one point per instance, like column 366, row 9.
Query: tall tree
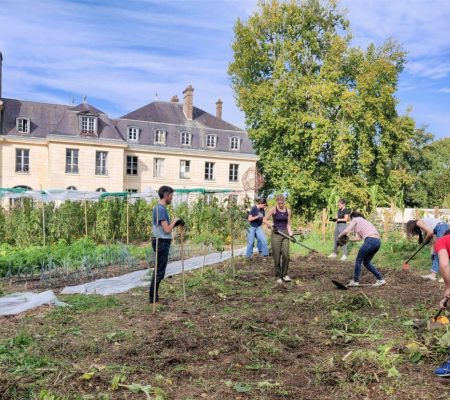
column 320, row 113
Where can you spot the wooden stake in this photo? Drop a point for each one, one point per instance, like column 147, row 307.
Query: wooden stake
column 182, row 262
column 128, row 221
column 386, row 225
column 85, row 219
column 436, row 212
column 324, row 223
column 43, row 221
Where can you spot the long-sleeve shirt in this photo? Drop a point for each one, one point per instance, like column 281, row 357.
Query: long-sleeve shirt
column 361, row 227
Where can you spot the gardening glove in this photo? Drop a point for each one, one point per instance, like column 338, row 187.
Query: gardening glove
column 179, row 222
column 333, row 219
column 342, row 240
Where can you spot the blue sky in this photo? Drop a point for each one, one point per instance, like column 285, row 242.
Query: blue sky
column 121, row 53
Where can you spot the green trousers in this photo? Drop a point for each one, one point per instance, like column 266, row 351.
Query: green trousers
column 280, row 253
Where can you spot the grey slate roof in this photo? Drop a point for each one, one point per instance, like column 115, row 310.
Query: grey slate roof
column 56, row 119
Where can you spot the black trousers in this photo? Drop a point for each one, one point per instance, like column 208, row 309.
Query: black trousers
column 163, row 258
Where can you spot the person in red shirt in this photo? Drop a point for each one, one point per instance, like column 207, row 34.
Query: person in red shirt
column 442, row 249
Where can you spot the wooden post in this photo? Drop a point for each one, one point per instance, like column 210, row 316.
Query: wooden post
column 386, row 225
column 182, row 263
column 416, row 213
column 436, row 212
column 43, row 221
column 324, row 223
column 128, row 220
column 85, row 219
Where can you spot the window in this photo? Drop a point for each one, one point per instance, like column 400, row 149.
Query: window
column 71, row 161
column 185, row 169
column 131, row 190
column 235, row 143
column 132, row 165
column 100, row 163
column 71, row 188
column 100, row 190
column 23, row 125
column 22, row 160
column 88, row 125
column 233, row 173
column 158, row 167
column 160, row 136
column 209, row 198
column 209, row 171
column 211, row 141
column 185, row 138
column 133, row 134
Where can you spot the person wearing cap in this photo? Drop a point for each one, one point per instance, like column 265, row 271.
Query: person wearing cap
column 255, row 230
column 341, row 220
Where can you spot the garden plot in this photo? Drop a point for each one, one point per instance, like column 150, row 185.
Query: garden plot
column 238, row 336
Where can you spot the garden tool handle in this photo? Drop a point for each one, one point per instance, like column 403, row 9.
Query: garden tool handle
column 291, row 238
column 441, row 309
column 420, row 248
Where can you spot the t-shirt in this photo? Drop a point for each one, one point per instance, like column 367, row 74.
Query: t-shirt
column 362, row 228
column 443, row 243
column 157, row 229
column 255, row 211
column 341, row 214
column 431, row 222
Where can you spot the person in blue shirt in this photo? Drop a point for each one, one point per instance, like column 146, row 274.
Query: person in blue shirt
column 162, row 229
column 255, row 230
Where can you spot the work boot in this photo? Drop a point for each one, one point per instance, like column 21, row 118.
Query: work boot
column 332, row 255
column 353, row 283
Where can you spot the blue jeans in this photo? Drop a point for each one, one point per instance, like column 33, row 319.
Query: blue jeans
column 439, row 232
column 365, row 254
column 258, row 233
column 163, row 258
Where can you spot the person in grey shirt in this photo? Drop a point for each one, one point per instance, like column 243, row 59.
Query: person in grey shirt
column 341, row 220
column 162, row 229
column 428, row 228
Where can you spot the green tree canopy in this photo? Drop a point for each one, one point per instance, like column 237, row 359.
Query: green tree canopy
column 321, row 114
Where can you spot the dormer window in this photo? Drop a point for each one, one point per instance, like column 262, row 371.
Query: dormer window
column 235, row 143
column 88, row 125
column 160, row 136
column 211, row 141
column 186, row 138
column 23, row 125
column 133, row 134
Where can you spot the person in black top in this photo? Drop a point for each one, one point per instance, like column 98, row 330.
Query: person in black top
column 343, row 216
column 255, row 230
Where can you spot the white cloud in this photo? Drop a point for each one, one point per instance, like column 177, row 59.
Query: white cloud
column 444, row 90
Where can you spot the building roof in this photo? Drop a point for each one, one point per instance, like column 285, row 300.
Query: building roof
column 63, row 120
column 172, row 113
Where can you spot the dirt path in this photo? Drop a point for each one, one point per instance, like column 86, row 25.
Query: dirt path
column 238, row 338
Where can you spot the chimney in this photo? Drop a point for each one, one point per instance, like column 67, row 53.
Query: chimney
column 174, row 99
column 188, row 102
column 219, row 108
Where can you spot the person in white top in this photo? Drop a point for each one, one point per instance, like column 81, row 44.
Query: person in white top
column 428, row 229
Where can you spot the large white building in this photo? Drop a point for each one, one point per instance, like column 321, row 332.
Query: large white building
column 54, row 146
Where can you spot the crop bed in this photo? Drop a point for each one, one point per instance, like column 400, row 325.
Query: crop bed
column 237, row 337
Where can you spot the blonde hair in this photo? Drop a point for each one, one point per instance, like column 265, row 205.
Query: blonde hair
column 280, row 197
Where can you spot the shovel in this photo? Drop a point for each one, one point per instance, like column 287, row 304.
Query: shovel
column 405, row 264
column 294, row 240
column 435, row 323
column 341, row 286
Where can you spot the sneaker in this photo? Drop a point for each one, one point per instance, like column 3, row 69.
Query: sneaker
column 343, row 258
column 279, row 280
column 429, row 277
column 441, row 280
column 353, row 283
column 332, row 255
column 286, row 278
column 379, row 282
column 443, row 370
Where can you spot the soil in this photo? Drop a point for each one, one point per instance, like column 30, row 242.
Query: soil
column 239, row 337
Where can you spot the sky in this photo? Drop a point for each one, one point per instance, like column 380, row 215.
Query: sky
column 124, row 54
